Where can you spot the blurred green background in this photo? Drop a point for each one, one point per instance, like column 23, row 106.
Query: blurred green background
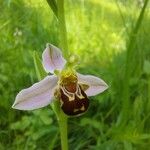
column 99, row 31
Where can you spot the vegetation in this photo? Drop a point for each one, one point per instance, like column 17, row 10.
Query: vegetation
column 113, row 42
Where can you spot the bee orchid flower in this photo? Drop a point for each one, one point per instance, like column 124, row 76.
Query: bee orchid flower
column 72, row 89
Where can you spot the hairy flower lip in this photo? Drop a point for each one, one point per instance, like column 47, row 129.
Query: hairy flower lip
column 42, row 93
column 74, row 104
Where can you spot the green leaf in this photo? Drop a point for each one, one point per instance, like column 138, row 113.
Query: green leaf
column 53, row 6
column 145, row 136
column 95, row 124
column 127, row 145
column 147, row 67
column 21, row 125
column 38, row 66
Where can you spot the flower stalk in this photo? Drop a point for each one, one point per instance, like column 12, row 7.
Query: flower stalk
column 62, row 119
column 63, row 127
column 62, row 28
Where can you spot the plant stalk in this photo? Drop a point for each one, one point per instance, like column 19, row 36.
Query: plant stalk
column 62, row 28
column 63, row 132
column 58, row 9
column 62, row 121
column 62, row 118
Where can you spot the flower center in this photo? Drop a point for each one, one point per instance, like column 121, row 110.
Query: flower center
column 73, row 99
column 72, row 87
column 69, row 80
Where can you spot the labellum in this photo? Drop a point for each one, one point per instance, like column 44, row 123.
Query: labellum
column 73, row 99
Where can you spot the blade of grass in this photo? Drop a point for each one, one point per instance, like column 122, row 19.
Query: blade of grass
column 40, row 72
column 122, row 17
column 131, row 51
column 53, row 6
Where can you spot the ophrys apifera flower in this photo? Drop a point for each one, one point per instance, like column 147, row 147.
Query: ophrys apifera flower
column 72, row 89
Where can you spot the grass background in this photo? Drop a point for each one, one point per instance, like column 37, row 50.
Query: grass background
column 100, row 33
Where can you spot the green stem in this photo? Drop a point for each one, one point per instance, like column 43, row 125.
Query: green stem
column 63, row 132
column 62, row 120
column 62, row 28
column 58, row 9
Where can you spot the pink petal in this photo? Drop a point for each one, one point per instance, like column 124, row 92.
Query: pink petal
column 52, row 59
column 38, row 95
column 96, row 85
